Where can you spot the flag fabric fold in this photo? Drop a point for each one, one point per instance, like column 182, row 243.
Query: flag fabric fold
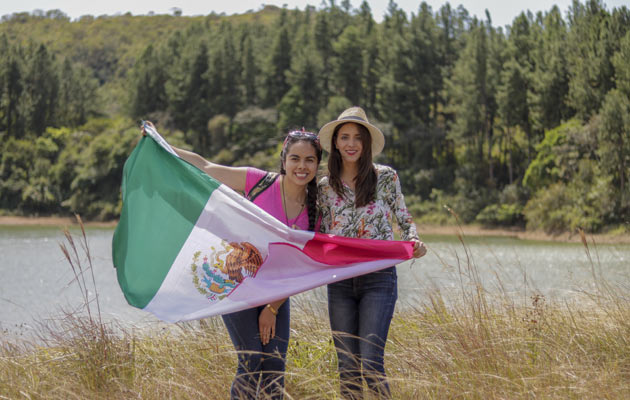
column 187, row 247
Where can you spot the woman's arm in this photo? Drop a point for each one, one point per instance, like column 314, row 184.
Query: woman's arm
column 404, row 219
column 234, row 177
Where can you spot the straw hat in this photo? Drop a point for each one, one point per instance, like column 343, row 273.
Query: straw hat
column 357, row 116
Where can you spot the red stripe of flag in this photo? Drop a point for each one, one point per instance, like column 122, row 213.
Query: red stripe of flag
column 337, row 250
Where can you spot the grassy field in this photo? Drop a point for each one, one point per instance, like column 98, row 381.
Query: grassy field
column 470, row 345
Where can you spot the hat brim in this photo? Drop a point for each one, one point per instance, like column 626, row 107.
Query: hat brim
column 326, row 133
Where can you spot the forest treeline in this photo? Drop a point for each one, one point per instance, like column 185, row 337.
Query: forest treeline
column 524, row 125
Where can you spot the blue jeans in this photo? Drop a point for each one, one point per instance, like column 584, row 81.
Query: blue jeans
column 361, row 311
column 255, row 361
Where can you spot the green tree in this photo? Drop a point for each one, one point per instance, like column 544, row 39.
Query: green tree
column 621, row 62
column 570, row 189
column 95, row 187
column 77, row 95
column 590, row 54
column 366, row 21
column 224, row 75
column 395, row 19
column 427, row 79
column 12, row 119
column 15, row 163
column 279, row 63
column 299, row 107
column 348, row 66
column 148, row 80
column 371, row 72
column 514, row 89
column 250, row 72
column 467, row 91
column 40, row 195
column 398, row 98
column 323, row 43
column 188, row 88
column 550, row 77
column 449, row 42
column 614, row 143
column 197, row 98
column 512, row 100
column 41, row 85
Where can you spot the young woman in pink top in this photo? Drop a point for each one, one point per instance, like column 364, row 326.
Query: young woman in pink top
column 261, row 334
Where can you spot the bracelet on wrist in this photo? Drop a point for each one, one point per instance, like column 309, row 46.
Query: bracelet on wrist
column 273, row 310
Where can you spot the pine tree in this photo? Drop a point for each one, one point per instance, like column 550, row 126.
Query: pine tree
column 550, row 78
column 470, row 97
column 348, row 67
column 41, row 85
column 250, row 72
column 77, row 95
column 589, row 57
column 614, row 143
column 197, row 99
column 449, row 43
column 425, row 67
column 11, row 89
column 279, row 63
column 148, row 81
column 300, row 106
column 227, row 99
column 323, row 44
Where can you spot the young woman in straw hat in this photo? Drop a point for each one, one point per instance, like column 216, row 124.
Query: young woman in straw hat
column 357, row 198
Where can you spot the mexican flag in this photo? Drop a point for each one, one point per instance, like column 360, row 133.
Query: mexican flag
column 188, row 247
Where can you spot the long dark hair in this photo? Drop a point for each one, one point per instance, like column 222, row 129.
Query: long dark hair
column 365, row 181
column 311, row 188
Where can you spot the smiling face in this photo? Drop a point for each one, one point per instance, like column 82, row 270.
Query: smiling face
column 300, row 162
column 349, row 143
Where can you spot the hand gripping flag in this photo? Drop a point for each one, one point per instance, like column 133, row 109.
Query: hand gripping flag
column 188, row 247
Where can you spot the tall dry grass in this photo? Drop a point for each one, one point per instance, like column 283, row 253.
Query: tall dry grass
column 474, row 345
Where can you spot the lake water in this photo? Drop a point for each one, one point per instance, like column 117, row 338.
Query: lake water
column 37, row 281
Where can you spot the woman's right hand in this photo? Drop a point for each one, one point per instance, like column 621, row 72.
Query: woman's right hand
column 144, row 132
column 266, row 325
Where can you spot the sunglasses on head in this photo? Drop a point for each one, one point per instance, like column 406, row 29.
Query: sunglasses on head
column 302, row 134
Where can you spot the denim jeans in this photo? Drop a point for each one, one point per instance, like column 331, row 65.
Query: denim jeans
column 255, row 361
column 361, row 311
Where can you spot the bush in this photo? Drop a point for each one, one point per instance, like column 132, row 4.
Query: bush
column 508, row 211
column 95, row 188
column 559, row 208
column 501, row 215
column 432, row 211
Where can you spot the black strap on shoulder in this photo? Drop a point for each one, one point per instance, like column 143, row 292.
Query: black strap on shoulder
column 262, row 185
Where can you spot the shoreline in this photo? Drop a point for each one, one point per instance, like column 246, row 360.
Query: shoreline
column 7, row 220
column 565, row 237
column 466, row 230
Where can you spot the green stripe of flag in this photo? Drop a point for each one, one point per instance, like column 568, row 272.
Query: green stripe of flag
column 161, row 203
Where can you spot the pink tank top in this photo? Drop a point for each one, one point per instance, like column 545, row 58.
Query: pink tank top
column 270, row 200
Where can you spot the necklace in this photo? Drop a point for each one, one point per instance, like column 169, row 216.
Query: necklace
column 285, row 206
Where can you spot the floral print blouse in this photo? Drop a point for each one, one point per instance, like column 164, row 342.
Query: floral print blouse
column 373, row 221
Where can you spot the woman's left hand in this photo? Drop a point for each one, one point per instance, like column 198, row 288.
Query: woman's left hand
column 266, row 325
column 419, row 249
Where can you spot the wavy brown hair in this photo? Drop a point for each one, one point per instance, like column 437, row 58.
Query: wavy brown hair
column 365, row 181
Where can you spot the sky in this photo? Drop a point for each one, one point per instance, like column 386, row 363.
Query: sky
column 502, row 12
